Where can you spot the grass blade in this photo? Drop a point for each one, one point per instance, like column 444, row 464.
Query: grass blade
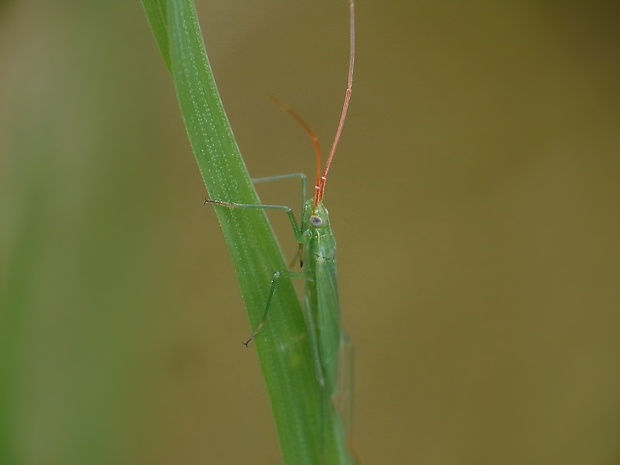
column 283, row 347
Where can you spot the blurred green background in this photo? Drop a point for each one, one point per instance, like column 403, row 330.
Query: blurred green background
column 475, row 197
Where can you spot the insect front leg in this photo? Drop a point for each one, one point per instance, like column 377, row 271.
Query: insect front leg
column 243, row 206
column 284, row 177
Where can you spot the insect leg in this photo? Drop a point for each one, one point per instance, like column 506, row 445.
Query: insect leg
column 283, row 177
column 288, row 210
column 276, row 276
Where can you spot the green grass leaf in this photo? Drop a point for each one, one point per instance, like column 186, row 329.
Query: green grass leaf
column 283, row 346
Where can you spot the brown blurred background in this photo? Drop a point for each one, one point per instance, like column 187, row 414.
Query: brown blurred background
column 474, row 196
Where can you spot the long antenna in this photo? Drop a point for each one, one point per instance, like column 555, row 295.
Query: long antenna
column 320, row 187
column 302, row 124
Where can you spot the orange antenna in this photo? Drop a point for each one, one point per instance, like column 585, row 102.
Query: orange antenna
column 320, row 186
column 315, row 140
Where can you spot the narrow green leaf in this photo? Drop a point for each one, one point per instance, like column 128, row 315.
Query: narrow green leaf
column 157, row 14
column 283, row 346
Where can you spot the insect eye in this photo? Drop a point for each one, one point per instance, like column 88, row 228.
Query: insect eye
column 316, row 220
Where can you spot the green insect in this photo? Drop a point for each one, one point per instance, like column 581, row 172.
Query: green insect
column 331, row 347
